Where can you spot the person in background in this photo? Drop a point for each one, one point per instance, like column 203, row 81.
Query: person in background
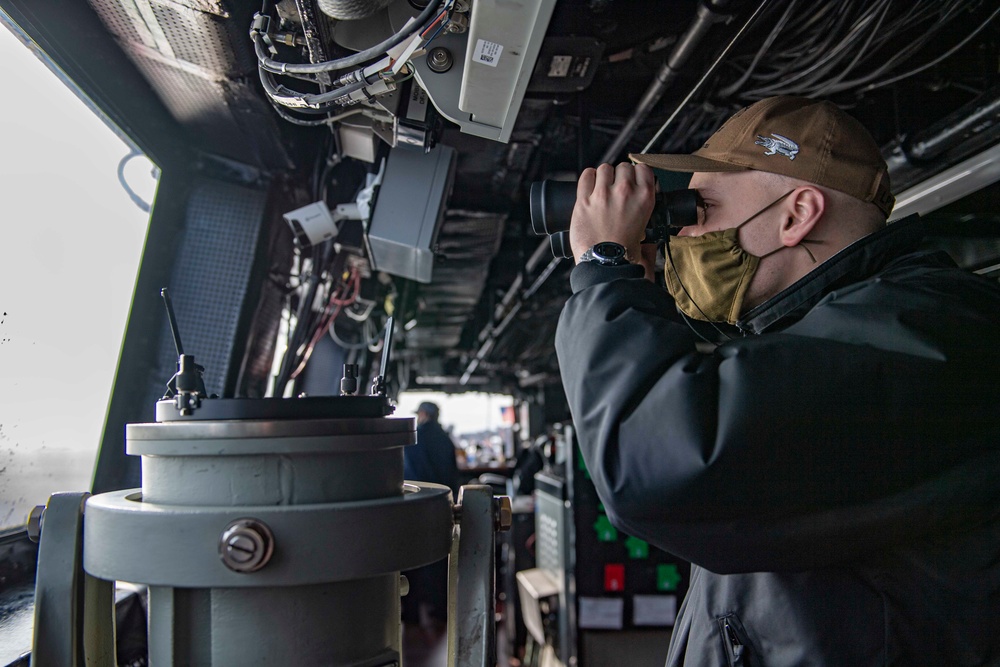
column 431, row 459
column 529, row 462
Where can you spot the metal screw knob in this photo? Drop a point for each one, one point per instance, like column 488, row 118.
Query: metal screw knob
column 246, row 545
column 439, row 60
column 503, row 513
column 36, row 517
column 458, row 24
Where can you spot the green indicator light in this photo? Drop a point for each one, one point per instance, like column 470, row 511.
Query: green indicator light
column 582, row 465
column 667, row 577
column 605, row 531
column 637, row 549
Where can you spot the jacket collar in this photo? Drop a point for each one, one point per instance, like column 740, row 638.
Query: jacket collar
column 858, row 261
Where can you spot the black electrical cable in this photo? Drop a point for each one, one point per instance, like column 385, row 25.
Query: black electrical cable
column 317, row 169
column 947, row 54
column 323, row 102
column 378, row 50
column 297, row 121
column 352, row 346
column 821, row 69
column 294, row 99
column 711, row 69
column 831, row 85
column 914, row 46
column 778, row 26
column 831, row 32
column 334, row 95
column 136, row 199
column 823, row 51
column 303, row 317
column 859, row 33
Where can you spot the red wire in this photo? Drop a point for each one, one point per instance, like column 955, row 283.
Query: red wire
column 356, row 281
column 329, row 315
column 312, row 344
column 433, row 23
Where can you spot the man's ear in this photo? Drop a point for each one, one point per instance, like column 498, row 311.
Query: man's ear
column 803, row 209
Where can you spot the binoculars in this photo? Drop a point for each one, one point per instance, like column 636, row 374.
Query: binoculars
column 552, row 204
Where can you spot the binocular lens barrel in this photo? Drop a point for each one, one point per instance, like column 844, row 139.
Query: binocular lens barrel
column 551, row 206
column 552, row 202
column 559, row 244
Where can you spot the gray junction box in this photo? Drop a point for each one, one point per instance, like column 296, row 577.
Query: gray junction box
column 409, row 210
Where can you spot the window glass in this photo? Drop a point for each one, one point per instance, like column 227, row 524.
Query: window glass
column 481, row 426
column 71, row 237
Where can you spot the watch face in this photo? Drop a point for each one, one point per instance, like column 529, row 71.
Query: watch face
column 609, row 251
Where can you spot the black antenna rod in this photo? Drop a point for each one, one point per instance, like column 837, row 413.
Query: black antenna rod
column 378, row 384
column 385, row 347
column 172, row 319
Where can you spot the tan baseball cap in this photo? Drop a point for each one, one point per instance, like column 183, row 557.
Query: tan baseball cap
column 811, row 140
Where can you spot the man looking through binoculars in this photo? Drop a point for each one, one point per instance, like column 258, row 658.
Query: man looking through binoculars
column 829, row 466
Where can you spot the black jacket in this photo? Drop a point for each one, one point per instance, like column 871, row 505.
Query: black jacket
column 833, row 471
column 432, row 458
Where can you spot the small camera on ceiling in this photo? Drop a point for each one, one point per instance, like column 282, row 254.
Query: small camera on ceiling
column 312, row 224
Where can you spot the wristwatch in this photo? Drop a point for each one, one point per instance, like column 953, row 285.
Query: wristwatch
column 606, row 253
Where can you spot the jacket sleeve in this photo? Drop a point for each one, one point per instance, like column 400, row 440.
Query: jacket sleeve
column 441, row 456
column 782, row 451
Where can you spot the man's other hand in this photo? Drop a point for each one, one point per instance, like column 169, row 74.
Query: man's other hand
column 612, row 204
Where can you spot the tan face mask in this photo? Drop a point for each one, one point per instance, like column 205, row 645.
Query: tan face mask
column 708, row 275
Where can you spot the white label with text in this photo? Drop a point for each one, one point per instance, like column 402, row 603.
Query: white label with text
column 487, row 53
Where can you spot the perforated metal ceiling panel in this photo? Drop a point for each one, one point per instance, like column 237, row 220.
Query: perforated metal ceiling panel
column 205, row 40
column 209, row 283
column 198, row 58
column 467, row 242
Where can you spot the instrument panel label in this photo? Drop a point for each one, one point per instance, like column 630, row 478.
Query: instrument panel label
column 487, row 53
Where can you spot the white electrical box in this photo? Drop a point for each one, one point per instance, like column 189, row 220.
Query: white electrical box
column 408, row 211
column 493, row 62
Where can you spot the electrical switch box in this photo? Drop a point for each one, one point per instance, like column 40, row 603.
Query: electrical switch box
column 408, row 211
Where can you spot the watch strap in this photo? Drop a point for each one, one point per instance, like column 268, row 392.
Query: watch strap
column 593, row 254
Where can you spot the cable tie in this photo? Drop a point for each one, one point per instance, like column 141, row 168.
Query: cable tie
column 405, row 54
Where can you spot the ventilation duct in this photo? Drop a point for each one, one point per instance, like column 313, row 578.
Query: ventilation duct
column 350, row 10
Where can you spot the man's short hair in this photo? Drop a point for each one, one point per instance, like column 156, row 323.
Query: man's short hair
column 429, row 409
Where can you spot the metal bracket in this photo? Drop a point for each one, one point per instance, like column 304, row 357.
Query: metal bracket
column 74, row 612
column 471, row 577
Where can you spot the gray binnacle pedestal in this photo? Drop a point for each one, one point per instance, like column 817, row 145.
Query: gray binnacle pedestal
column 270, row 542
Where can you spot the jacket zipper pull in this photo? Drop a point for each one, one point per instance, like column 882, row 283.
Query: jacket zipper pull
column 734, row 643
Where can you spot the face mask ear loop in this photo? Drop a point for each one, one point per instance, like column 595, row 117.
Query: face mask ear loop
column 670, row 258
column 803, row 243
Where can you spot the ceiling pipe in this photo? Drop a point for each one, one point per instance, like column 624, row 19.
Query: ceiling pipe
column 515, row 288
column 709, row 13
column 494, row 331
column 959, row 135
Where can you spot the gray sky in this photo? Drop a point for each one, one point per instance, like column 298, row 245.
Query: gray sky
column 70, row 241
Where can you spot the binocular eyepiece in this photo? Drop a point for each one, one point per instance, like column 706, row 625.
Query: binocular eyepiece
column 552, row 204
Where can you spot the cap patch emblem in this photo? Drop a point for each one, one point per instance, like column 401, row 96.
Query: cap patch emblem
column 778, row 144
